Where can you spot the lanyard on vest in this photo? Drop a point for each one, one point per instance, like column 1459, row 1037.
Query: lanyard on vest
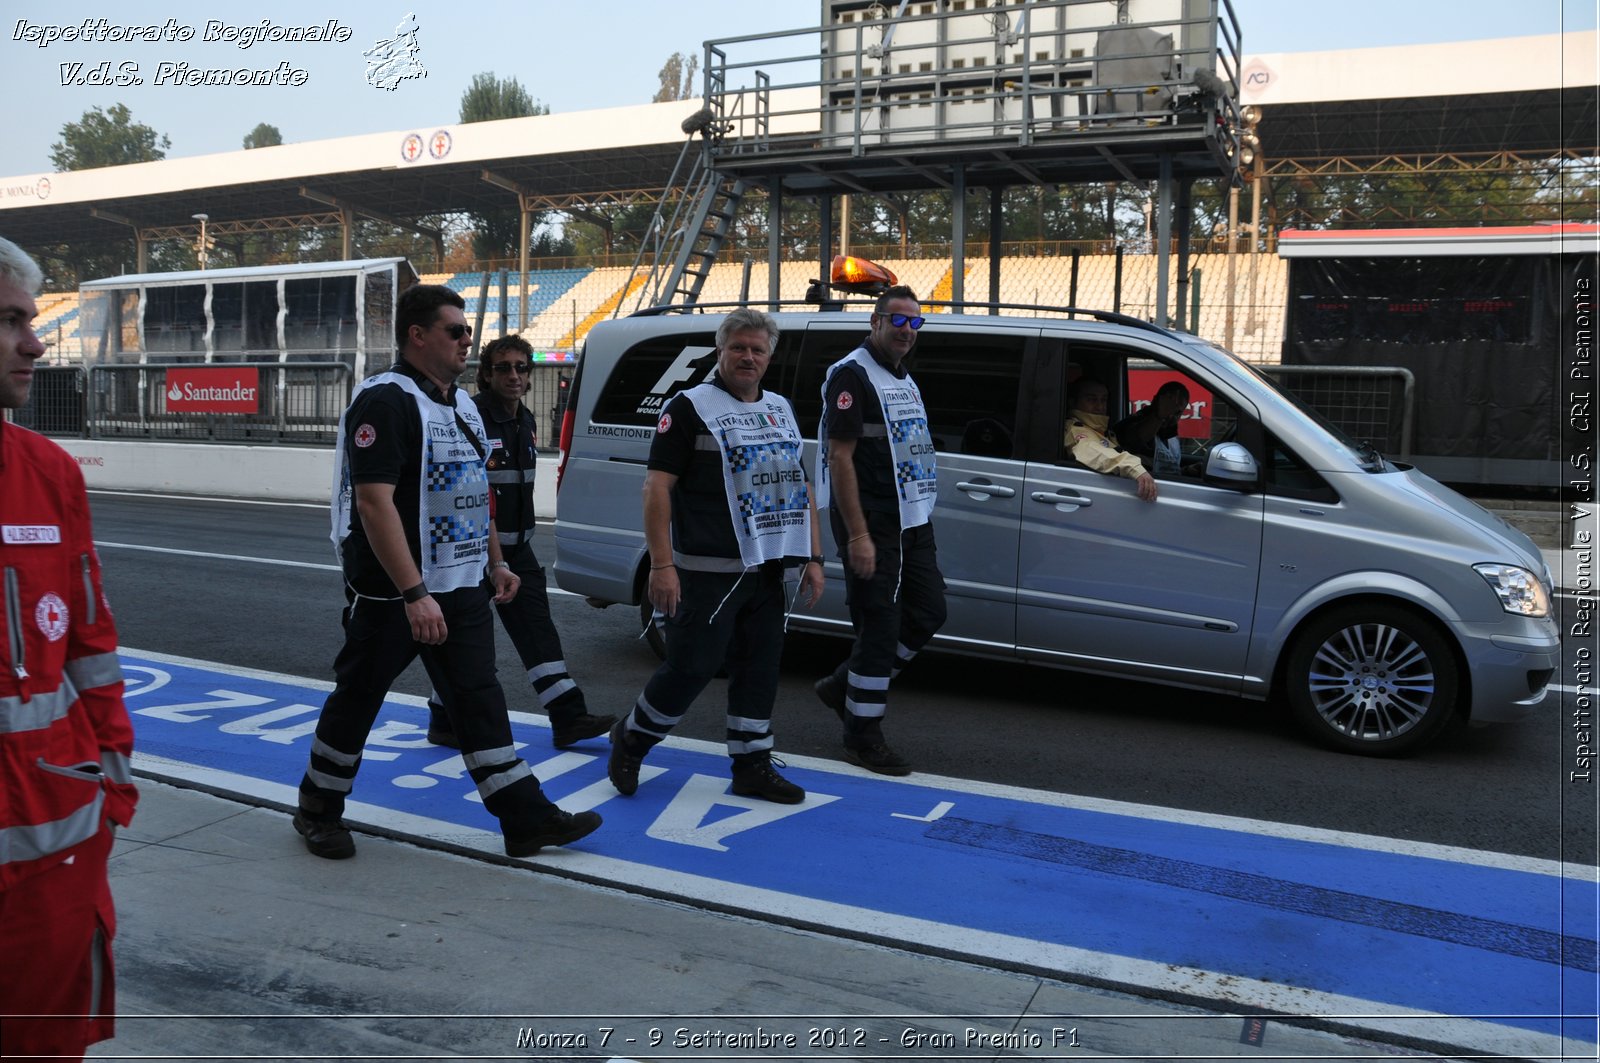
column 769, row 500
column 452, row 491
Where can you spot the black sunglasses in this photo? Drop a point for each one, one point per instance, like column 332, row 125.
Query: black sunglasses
column 511, row 367
column 902, row 320
column 457, row 331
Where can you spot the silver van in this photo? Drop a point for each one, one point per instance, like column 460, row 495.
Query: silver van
column 1281, row 559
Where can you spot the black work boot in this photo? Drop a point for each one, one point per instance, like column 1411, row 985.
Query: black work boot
column 558, row 828
column 440, row 733
column 564, row 733
column 757, row 776
column 622, row 768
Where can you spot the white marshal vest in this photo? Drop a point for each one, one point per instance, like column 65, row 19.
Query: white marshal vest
column 768, row 497
column 916, row 471
column 453, row 495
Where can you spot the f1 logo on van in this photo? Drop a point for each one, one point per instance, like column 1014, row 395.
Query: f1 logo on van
column 679, row 375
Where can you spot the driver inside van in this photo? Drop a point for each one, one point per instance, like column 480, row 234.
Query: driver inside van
column 1090, row 443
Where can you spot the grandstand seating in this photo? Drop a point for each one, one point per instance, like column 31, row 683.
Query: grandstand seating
column 57, row 325
column 543, row 289
column 563, row 304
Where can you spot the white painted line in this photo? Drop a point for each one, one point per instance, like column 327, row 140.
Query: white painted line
column 252, row 560
column 938, row 813
column 235, row 501
column 209, row 498
column 218, row 557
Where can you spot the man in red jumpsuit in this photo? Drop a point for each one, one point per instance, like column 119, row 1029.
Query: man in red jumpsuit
column 64, row 733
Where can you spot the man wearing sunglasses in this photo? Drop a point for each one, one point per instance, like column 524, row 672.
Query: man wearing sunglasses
column 880, row 480
column 503, row 371
column 416, row 541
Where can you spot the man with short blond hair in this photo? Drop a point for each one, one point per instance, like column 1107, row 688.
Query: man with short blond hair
column 727, row 509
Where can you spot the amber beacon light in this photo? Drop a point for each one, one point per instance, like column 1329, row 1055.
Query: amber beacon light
column 859, row 275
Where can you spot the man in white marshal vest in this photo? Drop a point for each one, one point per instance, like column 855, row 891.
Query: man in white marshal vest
column 879, row 480
column 411, row 519
column 727, row 511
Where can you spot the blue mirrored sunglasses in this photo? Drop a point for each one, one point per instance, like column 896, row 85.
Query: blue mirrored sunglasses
column 902, row 320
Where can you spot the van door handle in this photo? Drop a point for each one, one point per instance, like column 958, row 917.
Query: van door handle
column 1067, row 502
column 981, row 491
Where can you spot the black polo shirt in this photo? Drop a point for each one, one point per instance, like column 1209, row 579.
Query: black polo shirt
column 513, row 444
column 383, row 444
column 701, row 521
column 851, row 410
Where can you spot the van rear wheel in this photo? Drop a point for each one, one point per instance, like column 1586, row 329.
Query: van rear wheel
column 1372, row 679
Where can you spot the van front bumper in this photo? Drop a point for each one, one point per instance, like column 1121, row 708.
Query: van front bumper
column 1511, row 671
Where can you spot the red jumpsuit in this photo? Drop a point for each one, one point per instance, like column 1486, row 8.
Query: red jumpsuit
column 65, row 739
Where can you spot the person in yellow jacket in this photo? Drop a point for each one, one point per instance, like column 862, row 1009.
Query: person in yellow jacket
column 1091, row 443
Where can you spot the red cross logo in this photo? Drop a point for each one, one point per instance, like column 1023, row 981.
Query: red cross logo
column 51, row 616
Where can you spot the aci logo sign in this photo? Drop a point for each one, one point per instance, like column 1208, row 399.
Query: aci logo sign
column 229, row 389
column 1257, row 78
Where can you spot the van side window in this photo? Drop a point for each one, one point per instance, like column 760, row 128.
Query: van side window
column 1135, row 381
column 654, row 370
column 969, row 381
column 1286, row 474
column 650, row 373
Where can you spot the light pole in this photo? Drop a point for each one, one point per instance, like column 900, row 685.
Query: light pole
column 203, row 249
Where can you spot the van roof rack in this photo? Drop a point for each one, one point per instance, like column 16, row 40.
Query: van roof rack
column 838, row 304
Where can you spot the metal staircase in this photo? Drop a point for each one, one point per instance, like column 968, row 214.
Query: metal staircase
column 691, row 224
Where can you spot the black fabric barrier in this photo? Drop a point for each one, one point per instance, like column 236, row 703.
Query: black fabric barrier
column 1479, row 333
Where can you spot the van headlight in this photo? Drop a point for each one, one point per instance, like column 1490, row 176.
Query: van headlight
column 1520, row 591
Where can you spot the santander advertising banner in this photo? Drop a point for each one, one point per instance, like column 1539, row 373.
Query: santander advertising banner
column 214, row 389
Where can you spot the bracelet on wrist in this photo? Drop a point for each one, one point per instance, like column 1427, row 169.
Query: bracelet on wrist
column 498, row 564
column 863, row 535
column 415, row 594
column 658, row 568
column 816, row 559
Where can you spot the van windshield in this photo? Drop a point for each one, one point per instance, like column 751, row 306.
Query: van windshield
column 1364, row 452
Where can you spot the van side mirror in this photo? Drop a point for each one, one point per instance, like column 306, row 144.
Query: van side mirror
column 1232, row 465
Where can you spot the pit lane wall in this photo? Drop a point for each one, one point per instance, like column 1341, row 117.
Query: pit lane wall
column 280, row 474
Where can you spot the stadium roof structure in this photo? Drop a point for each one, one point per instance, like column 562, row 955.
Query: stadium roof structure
column 1526, row 96
column 397, row 176
column 1519, row 95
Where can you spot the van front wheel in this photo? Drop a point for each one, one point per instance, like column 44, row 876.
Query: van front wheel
column 1372, row 679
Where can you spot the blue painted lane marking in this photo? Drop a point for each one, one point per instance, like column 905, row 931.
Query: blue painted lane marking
column 1493, row 935
column 1310, row 924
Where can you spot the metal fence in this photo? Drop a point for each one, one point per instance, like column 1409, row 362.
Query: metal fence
column 57, row 401
column 1372, row 403
column 300, row 404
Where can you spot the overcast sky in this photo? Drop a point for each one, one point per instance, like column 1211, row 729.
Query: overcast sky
column 571, row 56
